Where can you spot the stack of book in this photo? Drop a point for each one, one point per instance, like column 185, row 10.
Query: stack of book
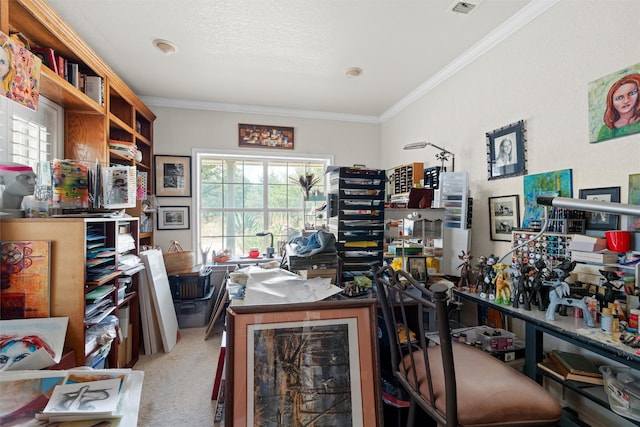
column 126, row 149
column 569, row 366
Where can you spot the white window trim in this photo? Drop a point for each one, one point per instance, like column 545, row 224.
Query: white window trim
column 198, row 153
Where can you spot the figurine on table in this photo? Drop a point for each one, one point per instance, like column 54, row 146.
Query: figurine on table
column 502, row 286
column 465, row 270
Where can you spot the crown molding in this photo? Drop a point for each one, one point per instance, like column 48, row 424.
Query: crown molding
column 256, row 109
column 519, row 20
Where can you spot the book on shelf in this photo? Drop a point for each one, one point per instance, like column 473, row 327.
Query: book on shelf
column 576, row 367
column 557, row 370
column 94, row 88
column 48, row 57
column 585, row 243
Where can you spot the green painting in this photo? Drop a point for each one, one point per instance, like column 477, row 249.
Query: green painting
column 556, row 183
column 614, row 105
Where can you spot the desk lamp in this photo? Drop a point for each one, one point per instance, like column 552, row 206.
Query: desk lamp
column 443, row 155
column 270, row 251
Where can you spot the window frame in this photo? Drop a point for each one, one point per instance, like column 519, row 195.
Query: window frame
column 199, row 153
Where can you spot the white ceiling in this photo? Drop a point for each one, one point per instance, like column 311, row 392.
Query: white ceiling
column 291, row 55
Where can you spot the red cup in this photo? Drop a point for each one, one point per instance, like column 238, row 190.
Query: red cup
column 254, row 253
column 618, row 241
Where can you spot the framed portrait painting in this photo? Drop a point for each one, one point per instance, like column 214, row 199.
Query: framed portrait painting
column 173, row 218
column 327, row 349
column 601, row 220
column 614, row 105
column 504, row 216
column 506, row 151
column 173, row 175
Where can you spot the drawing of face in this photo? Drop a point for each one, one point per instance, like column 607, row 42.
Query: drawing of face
column 625, row 98
column 14, row 351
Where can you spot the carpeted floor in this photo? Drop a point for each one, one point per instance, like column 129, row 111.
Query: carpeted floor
column 177, row 385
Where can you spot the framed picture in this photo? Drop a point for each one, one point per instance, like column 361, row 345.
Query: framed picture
column 607, row 116
column 554, row 183
column 417, row 266
column 173, row 175
column 633, row 222
column 262, row 136
column 601, row 220
column 173, row 218
column 504, row 216
column 506, row 151
column 327, row 349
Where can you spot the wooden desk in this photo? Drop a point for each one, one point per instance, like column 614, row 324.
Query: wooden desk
column 569, row 329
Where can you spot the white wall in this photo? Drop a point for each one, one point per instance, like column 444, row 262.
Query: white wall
column 539, row 74
column 177, row 131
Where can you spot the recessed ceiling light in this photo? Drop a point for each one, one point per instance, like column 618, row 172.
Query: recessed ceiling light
column 165, row 46
column 353, row 72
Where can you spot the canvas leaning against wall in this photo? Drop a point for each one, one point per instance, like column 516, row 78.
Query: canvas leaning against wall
column 614, row 105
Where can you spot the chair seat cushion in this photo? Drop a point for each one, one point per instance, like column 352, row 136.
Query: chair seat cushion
column 490, row 392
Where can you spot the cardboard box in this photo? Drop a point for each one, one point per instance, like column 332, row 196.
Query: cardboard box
column 582, row 242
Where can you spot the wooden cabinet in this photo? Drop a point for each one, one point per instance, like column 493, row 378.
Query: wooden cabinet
column 403, row 178
column 89, row 125
column 71, row 277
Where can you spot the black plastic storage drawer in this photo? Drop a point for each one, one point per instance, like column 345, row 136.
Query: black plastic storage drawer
column 194, row 313
column 191, row 285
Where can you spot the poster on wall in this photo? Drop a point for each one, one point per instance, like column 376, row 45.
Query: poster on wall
column 19, row 72
column 555, row 183
column 614, row 105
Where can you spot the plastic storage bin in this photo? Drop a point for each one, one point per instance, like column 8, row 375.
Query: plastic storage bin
column 194, row 313
column 191, row 285
column 495, row 339
column 622, row 385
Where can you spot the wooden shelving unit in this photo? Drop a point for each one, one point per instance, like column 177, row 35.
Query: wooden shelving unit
column 68, row 274
column 88, row 127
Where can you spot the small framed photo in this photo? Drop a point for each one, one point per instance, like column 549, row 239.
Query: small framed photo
column 506, row 151
column 504, row 216
column 417, row 266
column 263, row 136
column 601, row 220
column 173, row 218
column 317, row 360
column 173, row 175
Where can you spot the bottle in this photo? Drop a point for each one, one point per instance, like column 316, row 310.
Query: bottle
column 615, row 321
column 606, row 321
column 633, row 320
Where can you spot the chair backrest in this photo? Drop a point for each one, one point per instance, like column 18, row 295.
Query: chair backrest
column 403, row 301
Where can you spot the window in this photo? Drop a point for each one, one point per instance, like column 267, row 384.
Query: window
column 240, row 195
column 28, row 137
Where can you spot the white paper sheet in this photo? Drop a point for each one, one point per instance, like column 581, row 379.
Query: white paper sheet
column 278, row 286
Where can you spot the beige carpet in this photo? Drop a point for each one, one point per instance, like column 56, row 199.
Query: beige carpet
column 177, row 385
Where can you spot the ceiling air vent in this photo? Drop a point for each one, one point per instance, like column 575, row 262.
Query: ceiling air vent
column 464, row 7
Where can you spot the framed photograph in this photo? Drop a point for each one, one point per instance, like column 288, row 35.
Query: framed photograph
column 173, row 175
column 417, row 266
column 506, row 151
column 504, row 216
column 173, row 218
column 326, row 349
column 601, row 220
column 262, row 136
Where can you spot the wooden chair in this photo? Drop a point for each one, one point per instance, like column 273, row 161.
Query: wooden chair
column 456, row 384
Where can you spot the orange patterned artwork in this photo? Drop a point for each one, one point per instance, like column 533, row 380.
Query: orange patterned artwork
column 19, row 72
column 24, row 279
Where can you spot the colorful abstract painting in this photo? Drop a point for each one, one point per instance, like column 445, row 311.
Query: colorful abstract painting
column 614, row 105
column 556, row 183
column 19, row 72
column 24, row 279
column 634, row 199
column 70, row 184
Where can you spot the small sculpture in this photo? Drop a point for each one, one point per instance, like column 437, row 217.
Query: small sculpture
column 609, row 295
column 465, row 270
column 502, row 286
column 560, row 294
column 17, row 181
column 488, row 274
